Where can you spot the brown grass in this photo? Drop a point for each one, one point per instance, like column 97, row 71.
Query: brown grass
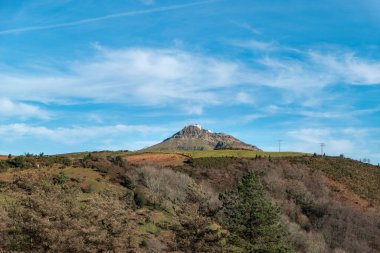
column 3, row 157
column 157, row 159
column 342, row 194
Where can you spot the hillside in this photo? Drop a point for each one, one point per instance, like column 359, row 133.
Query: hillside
column 167, row 202
column 3, row 157
column 193, row 137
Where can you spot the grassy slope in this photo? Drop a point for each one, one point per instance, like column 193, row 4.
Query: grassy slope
column 240, row 153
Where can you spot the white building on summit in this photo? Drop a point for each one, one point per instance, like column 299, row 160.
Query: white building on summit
column 199, row 126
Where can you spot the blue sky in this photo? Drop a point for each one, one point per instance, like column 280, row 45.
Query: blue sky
column 124, row 74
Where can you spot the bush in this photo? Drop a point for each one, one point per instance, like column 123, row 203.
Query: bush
column 60, row 179
column 143, row 244
column 198, row 235
column 127, row 182
column 139, row 199
column 167, row 183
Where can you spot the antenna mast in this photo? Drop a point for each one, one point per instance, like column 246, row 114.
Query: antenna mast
column 322, row 146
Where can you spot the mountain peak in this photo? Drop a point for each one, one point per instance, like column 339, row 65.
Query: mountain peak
column 191, row 131
column 194, row 137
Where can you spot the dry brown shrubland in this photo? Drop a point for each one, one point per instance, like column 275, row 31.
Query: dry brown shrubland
column 52, row 217
column 317, row 220
column 167, row 183
column 158, row 209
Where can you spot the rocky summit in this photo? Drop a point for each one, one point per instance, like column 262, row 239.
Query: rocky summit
column 193, row 137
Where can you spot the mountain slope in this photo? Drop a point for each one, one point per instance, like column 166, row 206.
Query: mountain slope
column 104, row 202
column 193, row 137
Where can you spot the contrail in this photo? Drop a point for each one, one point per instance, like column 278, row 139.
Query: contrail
column 111, row 16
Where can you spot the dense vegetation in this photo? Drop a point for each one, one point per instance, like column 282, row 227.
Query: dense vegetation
column 98, row 202
column 252, row 219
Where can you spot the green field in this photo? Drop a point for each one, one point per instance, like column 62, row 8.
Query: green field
column 223, row 153
column 240, row 153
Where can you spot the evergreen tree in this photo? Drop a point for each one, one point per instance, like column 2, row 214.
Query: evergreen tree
column 253, row 220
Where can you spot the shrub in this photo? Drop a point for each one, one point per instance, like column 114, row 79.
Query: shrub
column 143, row 244
column 167, row 183
column 139, row 199
column 88, row 187
column 210, row 202
column 60, row 178
column 198, row 235
column 127, row 182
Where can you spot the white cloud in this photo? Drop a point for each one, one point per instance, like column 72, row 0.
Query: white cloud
column 272, row 109
column 246, row 26
column 256, row 45
column 311, row 135
column 194, row 109
column 253, row 117
column 244, row 98
column 95, row 118
column 148, row 76
column 348, row 68
column 9, row 108
column 352, row 142
column 73, row 135
column 302, row 70
column 321, row 114
column 293, row 74
column 132, row 76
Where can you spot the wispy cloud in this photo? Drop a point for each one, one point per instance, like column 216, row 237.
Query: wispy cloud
column 253, row 117
column 244, row 98
column 353, row 142
column 150, row 76
column 139, row 76
column 11, row 109
column 246, row 26
column 348, row 67
column 73, row 135
column 286, row 67
column 316, row 70
column 106, row 17
column 257, row 45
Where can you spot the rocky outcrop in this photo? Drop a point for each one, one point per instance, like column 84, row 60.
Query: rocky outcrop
column 193, row 137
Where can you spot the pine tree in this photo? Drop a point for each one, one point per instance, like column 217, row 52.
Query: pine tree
column 253, row 220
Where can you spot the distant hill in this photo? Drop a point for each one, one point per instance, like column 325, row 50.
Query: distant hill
column 193, row 137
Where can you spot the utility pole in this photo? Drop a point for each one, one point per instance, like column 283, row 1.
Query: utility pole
column 279, row 145
column 322, row 146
